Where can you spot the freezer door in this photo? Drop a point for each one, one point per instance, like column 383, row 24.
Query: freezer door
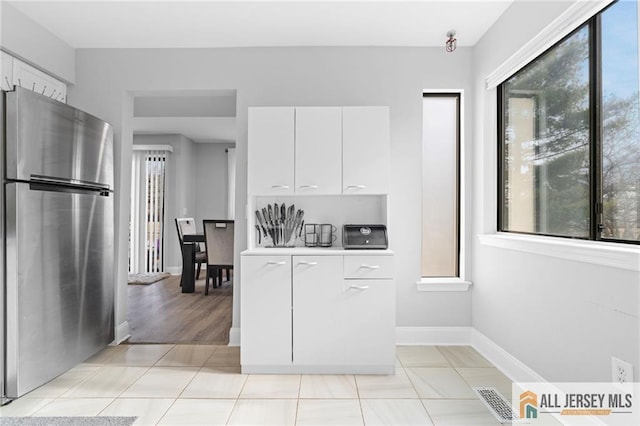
column 60, row 292
column 48, row 138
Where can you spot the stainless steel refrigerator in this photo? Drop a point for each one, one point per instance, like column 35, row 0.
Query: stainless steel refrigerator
column 58, row 238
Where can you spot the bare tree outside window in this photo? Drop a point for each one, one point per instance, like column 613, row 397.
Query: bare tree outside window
column 570, row 135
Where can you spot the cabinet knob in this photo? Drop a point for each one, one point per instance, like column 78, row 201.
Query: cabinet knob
column 308, row 187
column 356, row 186
column 359, row 287
column 304, row 262
column 275, row 262
column 280, row 186
column 370, row 266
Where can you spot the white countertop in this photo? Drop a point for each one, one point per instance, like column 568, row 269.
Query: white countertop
column 314, row 251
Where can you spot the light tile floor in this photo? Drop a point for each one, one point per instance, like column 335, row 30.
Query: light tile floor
column 202, row 384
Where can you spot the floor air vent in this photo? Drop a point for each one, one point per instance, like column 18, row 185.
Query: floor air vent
column 500, row 407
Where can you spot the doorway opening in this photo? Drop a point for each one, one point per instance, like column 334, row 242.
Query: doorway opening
column 183, row 166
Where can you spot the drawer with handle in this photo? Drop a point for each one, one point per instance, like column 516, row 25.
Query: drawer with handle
column 368, row 267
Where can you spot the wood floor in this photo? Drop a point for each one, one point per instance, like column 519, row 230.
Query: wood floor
column 161, row 313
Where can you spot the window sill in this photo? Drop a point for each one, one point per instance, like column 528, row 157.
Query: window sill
column 443, row 284
column 613, row 255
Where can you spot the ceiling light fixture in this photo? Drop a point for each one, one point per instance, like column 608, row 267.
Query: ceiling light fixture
column 451, row 43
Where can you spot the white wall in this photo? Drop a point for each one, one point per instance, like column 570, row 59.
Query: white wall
column 562, row 318
column 395, row 77
column 30, row 42
column 212, row 180
column 185, row 178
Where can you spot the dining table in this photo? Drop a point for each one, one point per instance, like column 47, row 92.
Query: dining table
column 189, row 244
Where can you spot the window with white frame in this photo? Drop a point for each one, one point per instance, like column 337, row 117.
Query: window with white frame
column 441, row 185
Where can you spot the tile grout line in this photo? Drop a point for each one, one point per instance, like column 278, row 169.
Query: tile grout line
column 456, row 369
column 90, row 376
column 359, row 399
column 237, row 399
column 148, row 368
column 295, row 418
column 166, row 411
column 416, row 390
column 185, row 387
column 427, row 411
column 235, row 404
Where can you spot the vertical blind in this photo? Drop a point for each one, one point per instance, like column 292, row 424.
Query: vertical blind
column 231, row 187
column 146, row 226
column 155, row 187
column 136, row 218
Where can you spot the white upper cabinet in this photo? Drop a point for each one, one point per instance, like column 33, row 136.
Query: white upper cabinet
column 318, row 150
column 271, row 150
column 6, row 69
column 365, row 150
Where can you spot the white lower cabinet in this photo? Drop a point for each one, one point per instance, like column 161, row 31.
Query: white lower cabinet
column 317, row 309
column 336, row 323
column 265, row 304
column 368, row 323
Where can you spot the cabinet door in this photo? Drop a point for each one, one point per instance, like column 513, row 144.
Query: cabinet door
column 317, row 294
column 6, row 71
column 265, row 308
column 365, row 150
column 367, row 333
column 318, row 146
column 270, row 152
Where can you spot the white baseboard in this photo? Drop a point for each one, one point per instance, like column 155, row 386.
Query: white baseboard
column 173, row 270
column 234, row 336
column 512, row 367
column 449, row 336
column 122, row 333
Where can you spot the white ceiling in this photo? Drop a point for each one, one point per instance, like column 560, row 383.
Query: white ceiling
column 158, row 23
column 239, row 23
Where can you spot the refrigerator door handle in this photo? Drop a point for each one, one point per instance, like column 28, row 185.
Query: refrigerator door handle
column 74, row 189
column 52, row 180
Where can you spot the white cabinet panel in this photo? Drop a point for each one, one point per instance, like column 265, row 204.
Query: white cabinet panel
column 265, row 307
column 371, row 267
column 317, row 316
column 318, row 150
column 6, row 69
column 368, row 318
column 26, row 76
column 365, row 150
column 271, row 151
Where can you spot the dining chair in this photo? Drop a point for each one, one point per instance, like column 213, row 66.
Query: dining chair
column 187, row 225
column 218, row 237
